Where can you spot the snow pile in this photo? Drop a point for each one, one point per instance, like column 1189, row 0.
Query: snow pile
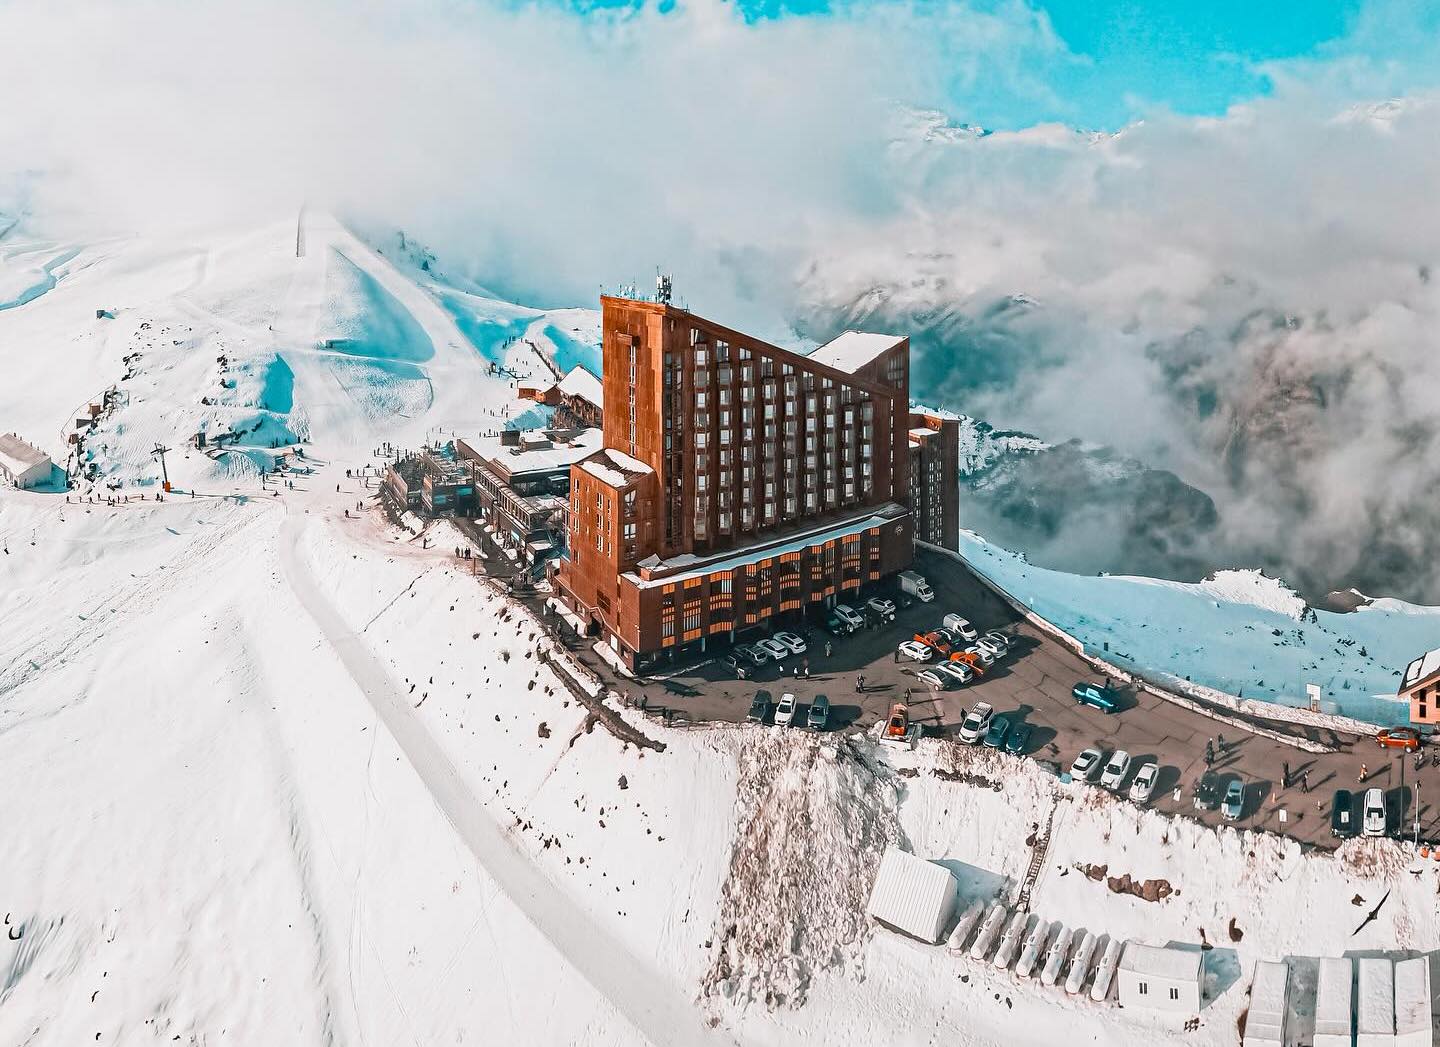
column 815, row 819
column 1253, row 588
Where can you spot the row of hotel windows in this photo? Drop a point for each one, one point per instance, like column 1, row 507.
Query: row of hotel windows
column 761, row 583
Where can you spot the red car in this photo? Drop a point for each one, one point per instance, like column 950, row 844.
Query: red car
column 1406, row 738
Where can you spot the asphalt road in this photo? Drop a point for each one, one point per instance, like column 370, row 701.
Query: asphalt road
column 1032, row 683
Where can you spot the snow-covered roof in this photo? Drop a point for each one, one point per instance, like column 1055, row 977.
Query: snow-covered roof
column 1334, row 1001
column 1269, row 990
column 580, row 382
column 615, row 468
column 538, row 449
column 1176, row 965
column 1426, row 665
column 922, row 433
column 1413, row 1022
column 854, row 349
column 763, row 549
column 624, row 461
column 19, row 457
column 936, row 412
column 1375, row 1001
column 913, row 895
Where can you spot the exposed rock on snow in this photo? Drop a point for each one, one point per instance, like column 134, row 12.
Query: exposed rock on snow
column 814, row 819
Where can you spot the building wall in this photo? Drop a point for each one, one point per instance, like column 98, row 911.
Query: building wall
column 934, row 480
column 1424, row 698
column 746, row 442
column 1156, row 993
column 722, row 603
column 745, row 437
column 579, row 413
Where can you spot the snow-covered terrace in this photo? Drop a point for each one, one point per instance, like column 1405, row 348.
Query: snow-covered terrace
column 691, row 566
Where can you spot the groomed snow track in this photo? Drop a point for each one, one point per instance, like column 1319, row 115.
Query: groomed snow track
column 643, row 994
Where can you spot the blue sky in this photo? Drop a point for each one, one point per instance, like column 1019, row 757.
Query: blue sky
column 1100, row 64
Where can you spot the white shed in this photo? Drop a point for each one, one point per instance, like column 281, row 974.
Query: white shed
column 1335, row 1003
column 1375, row 1003
column 913, row 896
column 22, row 464
column 1414, row 1026
column 1160, row 979
column 1269, row 1000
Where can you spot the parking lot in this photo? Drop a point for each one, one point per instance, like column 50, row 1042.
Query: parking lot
column 1032, row 683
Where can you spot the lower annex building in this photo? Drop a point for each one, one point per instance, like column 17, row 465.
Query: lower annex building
column 740, row 485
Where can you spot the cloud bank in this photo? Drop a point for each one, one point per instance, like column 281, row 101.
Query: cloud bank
column 1247, row 299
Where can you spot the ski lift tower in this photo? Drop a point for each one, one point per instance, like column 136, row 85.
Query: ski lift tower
column 160, row 452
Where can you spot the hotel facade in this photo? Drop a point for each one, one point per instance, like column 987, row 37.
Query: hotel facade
column 738, row 485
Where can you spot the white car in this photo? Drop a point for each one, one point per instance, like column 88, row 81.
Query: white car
column 1116, row 769
column 1087, row 765
column 915, row 650
column 961, row 672
column 793, row 643
column 960, row 626
column 987, row 659
column 881, row 607
column 849, row 615
column 785, row 711
column 974, row 726
column 999, row 639
column 938, row 680
column 996, row 650
column 1143, row 787
column 1376, row 821
column 774, row 648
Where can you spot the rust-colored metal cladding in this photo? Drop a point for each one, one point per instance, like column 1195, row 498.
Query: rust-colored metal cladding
column 739, row 485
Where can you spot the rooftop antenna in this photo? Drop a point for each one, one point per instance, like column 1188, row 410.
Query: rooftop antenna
column 662, row 287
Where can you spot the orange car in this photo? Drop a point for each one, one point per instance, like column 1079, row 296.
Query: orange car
column 899, row 721
column 934, row 641
column 1406, row 738
column 972, row 660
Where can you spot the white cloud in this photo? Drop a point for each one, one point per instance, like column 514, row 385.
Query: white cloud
column 551, row 152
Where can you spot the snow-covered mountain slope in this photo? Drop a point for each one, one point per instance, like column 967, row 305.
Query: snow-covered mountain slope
column 233, row 336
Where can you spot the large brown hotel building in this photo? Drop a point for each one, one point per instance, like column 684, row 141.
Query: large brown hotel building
column 739, row 484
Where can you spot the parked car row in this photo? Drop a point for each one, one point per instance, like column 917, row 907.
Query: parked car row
column 845, row 619
column 745, row 658
column 1092, row 765
column 787, row 712
column 1354, row 816
column 983, row 725
column 956, row 651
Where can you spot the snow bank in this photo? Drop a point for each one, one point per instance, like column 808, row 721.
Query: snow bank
column 1238, row 633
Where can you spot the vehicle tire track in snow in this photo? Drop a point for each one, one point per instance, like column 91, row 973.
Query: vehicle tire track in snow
column 639, row 991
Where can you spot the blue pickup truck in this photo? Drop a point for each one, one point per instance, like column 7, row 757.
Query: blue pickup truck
column 1100, row 696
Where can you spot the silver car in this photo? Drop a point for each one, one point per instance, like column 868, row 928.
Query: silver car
column 961, row 672
column 774, row 648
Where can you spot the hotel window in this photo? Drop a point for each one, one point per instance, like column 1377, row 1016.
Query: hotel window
column 692, row 615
